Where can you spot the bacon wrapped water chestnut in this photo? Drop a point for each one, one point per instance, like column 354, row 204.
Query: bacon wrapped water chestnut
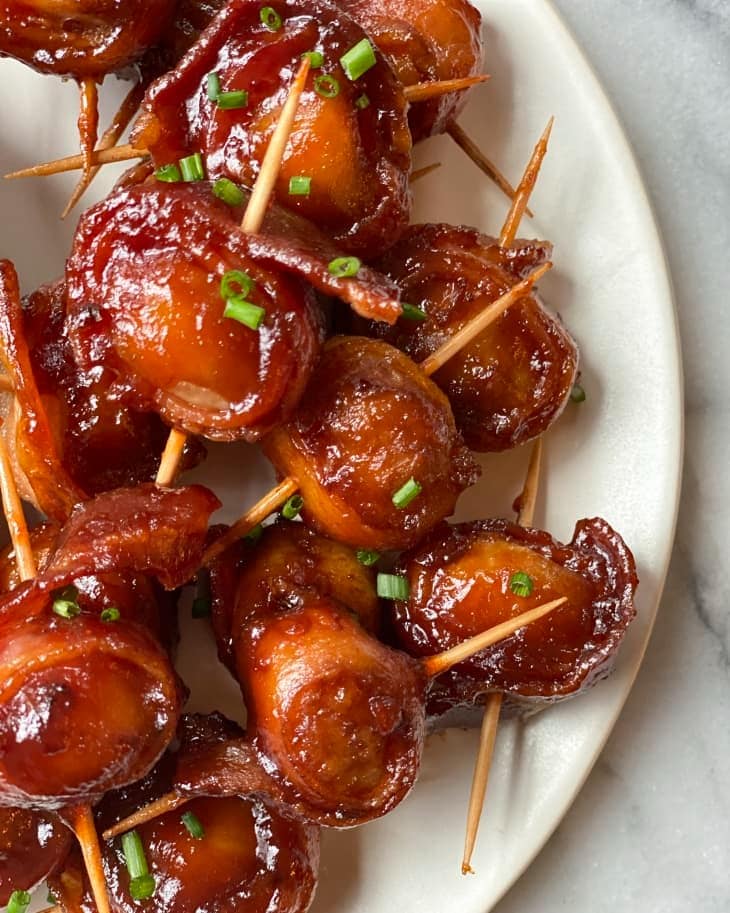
column 470, row 576
column 349, row 151
column 33, row 846
column 512, row 382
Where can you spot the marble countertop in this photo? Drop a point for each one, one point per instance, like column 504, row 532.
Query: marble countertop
column 650, row 832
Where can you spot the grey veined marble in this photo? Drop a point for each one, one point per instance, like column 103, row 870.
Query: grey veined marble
column 650, row 832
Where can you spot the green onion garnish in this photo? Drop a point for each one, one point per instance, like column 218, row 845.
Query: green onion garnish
column 51, row 898
column 392, row 586
column 403, row 497
column 256, row 533
column 169, row 174
column 191, row 168
column 292, row 507
column 236, row 284
column 66, row 602
column 521, row 584
column 358, row 60
column 193, row 825
column 214, row 86
column 362, row 102
column 250, row 315
column 111, row 614
column 230, row 101
column 300, row 185
column 142, row 887
column 411, row 312
column 270, row 18
column 367, row 557
column 316, row 58
column 228, row 192
column 19, row 902
column 578, row 394
column 344, row 267
column 327, row 86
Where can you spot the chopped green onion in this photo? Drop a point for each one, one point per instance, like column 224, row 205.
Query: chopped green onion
column 193, row 825
column 344, row 267
column 228, row 192
column 66, row 602
column 392, row 586
column 411, row 312
column 300, row 185
column 358, row 60
column 403, row 497
column 292, row 507
column 214, row 86
column 111, row 614
column 270, row 18
column 327, row 86
column 578, row 394
column 316, row 58
column 255, row 535
column 142, row 888
column 134, row 856
column 19, row 902
column 250, row 315
column 51, row 898
column 192, row 168
column 169, row 174
column 367, row 557
column 231, row 101
column 362, row 102
column 236, row 284
column 521, row 584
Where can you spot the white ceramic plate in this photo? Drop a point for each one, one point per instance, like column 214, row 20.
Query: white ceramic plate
column 618, row 455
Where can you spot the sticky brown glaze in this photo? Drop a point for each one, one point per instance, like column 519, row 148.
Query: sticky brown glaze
column 251, row 857
column 144, row 282
column 514, row 380
column 358, row 158
column 32, row 846
column 460, row 585
column 369, row 421
column 81, row 38
column 289, row 562
column 425, row 40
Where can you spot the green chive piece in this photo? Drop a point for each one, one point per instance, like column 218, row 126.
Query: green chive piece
column 19, row 902
column 362, row 102
column 236, row 284
column 255, row 535
column 231, row 101
column 521, row 584
column 214, row 86
column 578, row 394
column 300, row 185
column 193, row 825
column 327, row 86
column 358, row 60
column 66, row 602
column 192, row 168
column 411, row 312
column 316, row 59
column 393, row 586
column 292, row 507
column 270, row 18
column 345, row 267
column 250, row 315
column 51, row 899
column 367, row 557
column 169, row 174
column 111, row 614
column 228, row 192
column 409, row 492
column 142, row 887
column 134, row 856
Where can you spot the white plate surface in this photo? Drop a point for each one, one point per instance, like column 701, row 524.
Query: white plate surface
column 618, row 455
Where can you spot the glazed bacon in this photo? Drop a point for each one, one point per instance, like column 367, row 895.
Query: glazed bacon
column 460, row 580
column 514, row 380
column 32, row 846
column 81, row 38
column 357, row 156
column 369, row 421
